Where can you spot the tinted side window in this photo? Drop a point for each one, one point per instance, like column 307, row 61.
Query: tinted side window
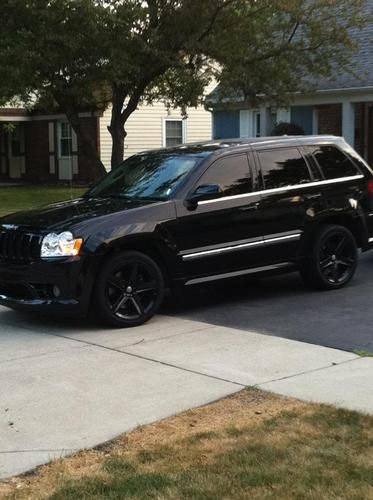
column 333, row 162
column 283, row 167
column 231, row 174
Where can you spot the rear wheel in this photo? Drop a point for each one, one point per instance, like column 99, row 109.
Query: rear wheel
column 129, row 290
column 333, row 259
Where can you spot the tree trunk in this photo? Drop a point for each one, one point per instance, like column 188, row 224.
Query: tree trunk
column 118, row 135
column 116, row 127
column 86, row 143
column 87, row 147
column 121, row 112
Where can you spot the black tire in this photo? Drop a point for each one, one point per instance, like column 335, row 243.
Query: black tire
column 129, row 290
column 333, row 259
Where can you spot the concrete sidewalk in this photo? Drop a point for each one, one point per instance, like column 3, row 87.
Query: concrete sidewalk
column 64, row 387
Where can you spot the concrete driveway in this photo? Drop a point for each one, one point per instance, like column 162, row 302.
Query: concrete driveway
column 68, row 385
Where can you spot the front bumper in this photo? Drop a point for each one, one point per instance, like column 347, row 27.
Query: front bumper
column 47, row 286
column 42, row 305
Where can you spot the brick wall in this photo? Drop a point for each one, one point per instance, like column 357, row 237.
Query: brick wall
column 330, row 122
column 37, row 152
column 330, row 119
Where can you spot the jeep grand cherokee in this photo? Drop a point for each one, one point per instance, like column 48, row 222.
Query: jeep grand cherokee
column 189, row 215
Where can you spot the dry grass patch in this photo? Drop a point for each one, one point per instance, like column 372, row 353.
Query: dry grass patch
column 251, row 445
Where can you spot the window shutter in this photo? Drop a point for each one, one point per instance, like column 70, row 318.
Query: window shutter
column 52, row 153
column 22, row 134
column 74, row 141
column 2, row 153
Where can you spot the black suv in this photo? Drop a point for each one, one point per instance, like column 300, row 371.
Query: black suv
column 189, row 215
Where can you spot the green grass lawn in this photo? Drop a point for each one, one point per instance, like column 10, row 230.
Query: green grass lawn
column 16, row 198
column 253, row 445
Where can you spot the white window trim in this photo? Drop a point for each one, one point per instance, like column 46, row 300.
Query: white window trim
column 174, row 119
column 59, row 136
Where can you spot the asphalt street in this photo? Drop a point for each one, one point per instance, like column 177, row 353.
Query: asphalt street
column 281, row 306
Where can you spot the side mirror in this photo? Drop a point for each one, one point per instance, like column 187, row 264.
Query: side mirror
column 202, row 192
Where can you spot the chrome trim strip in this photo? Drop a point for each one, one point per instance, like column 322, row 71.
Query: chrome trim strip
column 280, row 238
column 217, row 251
column 283, row 189
column 234, row 274
column 234, row 243
column 233, row 248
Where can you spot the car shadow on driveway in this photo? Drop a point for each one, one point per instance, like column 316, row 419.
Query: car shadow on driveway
column 282, row 306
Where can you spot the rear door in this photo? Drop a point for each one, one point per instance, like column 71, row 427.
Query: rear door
column 344, row 187
column 290, row 197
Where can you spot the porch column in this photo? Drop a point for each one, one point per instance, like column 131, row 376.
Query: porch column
column 265, row 121
column 246, row 123
column 348, row 122
column 315, row 121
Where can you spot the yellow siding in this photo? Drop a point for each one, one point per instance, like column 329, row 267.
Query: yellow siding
column 145, row 128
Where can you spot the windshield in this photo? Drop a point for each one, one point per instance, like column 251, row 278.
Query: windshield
column 152, row 176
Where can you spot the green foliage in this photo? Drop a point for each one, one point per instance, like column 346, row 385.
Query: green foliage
column 84, row 54
column 8, row 126
column 20, row 198
column 364, row 354
column 284, row 128
column 281, row 47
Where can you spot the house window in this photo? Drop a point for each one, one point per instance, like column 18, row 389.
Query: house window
column 64, row 139
column 174, row 132
column 17, row 141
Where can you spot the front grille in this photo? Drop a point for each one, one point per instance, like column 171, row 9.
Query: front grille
column 17, row 246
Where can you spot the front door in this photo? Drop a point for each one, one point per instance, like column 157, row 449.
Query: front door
column 223, row 234
column 16, row 151
column 65, row 154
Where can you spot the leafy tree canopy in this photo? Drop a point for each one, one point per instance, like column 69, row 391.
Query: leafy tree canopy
column 85, row 54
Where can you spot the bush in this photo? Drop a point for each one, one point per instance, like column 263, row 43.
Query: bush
column 284, row 128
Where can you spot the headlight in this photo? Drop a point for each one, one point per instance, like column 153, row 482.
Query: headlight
column 60, row 245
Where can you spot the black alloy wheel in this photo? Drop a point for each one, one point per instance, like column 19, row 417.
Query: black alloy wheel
column 129, row 290
column 333, row 260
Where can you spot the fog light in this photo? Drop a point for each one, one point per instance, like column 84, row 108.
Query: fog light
column 56, row 291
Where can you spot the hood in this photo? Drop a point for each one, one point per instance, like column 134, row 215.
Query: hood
column 67, row 214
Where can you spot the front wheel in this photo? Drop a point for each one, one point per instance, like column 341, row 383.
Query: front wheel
column 333, row 259
column 129, row 290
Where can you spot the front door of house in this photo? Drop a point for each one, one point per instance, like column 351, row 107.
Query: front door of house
column 16, row 151
column 65, row 161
